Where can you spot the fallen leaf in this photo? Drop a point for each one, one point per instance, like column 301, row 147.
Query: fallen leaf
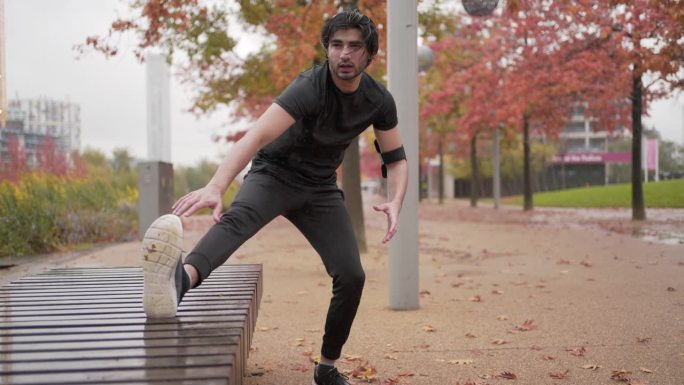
column 527, row 325
column 563, row 262
column 303, row 292
column 352, row 357
column 457, row 284
column 620, row 375
column 429, row 329
column 497, row 292
column 645, row 370
column 390, row 381
column 560, row 375
column 499, row 341
column 424, row 293
column 507, row 375
column 301, row 367
column 389, row 357
column 643, row 340
column 548, row 357
column 475, row 298
column 460, row 362
column 577, row 352
column 311, row 356
column 670, row 288
column 591, row 367
column 312, row 330
column 502, row 317
column 586, row 264
column 365, row 372
column 470, row 335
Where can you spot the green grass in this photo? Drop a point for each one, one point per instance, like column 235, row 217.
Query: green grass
column 665, row 194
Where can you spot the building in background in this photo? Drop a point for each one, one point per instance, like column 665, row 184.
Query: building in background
column 3, row 84
column 158, row 109
column 33, row 121
column 588, row 156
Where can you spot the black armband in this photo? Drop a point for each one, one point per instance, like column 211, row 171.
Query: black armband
column 390, row 157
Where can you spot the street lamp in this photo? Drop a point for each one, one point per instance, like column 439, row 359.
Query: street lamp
column 480, row 7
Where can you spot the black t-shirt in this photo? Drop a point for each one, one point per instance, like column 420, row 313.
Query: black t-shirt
column 326, row 121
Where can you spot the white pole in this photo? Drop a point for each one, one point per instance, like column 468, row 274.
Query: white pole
column 402, row 69
column 496, row 171
column 657, row 163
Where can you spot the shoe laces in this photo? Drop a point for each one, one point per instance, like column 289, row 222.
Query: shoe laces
column 335, row 374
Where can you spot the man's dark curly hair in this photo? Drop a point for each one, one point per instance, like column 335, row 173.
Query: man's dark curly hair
column 352, row 19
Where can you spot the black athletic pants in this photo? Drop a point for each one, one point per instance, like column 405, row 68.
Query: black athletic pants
column 319, row 213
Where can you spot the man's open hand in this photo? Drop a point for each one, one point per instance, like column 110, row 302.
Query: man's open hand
column 392, row 211
column 206, row 197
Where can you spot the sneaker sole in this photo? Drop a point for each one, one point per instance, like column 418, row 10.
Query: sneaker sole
column 162, row 250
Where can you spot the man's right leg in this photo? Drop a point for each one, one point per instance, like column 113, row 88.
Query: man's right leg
column 261, row 198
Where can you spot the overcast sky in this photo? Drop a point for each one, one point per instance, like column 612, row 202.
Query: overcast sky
column 40, row 35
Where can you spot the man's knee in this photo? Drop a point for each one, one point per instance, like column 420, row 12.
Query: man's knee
column 351, row 281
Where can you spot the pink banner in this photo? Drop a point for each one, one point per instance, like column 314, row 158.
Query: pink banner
column 651, row 154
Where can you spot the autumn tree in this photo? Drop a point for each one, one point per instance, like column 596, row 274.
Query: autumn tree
column 195, row 35
column 648, row 36
column 15, row 164
column 50, row 159
column 438, row 98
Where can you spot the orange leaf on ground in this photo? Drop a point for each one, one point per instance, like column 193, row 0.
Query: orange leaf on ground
column 364, row 371
column 507, row 375
column 577, row 352
column 620, row 375
column 526, row 326
column 560, row 376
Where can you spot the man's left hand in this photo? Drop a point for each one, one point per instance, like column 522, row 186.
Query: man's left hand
column 390, row 209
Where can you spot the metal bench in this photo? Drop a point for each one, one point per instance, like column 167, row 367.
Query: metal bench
column 87, row 326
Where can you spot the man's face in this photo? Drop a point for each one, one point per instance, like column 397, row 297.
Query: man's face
column 347, row 54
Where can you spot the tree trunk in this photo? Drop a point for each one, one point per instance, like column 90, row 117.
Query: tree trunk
column 474, row 173
column 638, row 209
column 527, row 160
column 351, row 183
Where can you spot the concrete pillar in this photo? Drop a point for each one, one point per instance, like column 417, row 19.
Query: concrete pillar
column 155, row 192
column 402, row 20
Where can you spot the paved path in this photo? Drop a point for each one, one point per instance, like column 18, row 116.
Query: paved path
column 550, row 297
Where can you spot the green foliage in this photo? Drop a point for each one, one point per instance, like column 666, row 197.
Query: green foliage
column 671, row 157
column 187, row 179
column 43, row 213
column 665, row 194
column 511, row 159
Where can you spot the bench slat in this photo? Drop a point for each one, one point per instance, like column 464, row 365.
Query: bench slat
column 87, row 326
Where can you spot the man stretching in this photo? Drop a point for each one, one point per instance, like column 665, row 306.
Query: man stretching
column 295, row 148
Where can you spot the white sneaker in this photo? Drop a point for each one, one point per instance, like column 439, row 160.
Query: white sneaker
column 162, row 266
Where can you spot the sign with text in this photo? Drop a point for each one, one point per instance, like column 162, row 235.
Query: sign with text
column 593, row 157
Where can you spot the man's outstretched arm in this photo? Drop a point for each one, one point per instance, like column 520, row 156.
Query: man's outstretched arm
column 270, row 125
column 397, row 172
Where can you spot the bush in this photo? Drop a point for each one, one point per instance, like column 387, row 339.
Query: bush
column 44, row 213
